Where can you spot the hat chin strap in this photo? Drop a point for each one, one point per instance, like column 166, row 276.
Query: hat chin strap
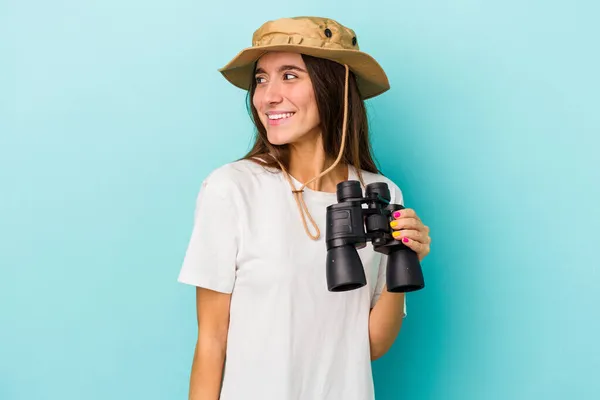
column 298, row 193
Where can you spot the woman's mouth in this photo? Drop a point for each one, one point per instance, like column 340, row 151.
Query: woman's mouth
column 279, row 118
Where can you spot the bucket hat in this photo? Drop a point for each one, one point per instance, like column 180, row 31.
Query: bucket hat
column 313, row 36
column 318, row 37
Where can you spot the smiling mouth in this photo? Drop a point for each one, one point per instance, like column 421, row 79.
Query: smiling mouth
column 273, row 117
column 276, row 119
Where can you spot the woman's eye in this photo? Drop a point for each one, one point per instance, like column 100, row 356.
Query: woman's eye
column 259, row 79
column 287, row 76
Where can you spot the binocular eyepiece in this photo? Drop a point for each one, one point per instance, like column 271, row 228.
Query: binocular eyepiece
column 350, row 226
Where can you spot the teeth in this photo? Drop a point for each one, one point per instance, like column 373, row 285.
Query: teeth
column 280, row 116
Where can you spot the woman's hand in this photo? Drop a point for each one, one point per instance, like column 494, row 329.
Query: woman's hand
column 414, row 234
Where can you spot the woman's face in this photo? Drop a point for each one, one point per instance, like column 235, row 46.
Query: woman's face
column 285, row 99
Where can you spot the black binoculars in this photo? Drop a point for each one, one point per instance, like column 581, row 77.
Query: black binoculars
column 350, row 226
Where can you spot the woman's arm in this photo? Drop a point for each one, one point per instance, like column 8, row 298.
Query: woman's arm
column 209, row 356
column 386, row 317
column 385, row 322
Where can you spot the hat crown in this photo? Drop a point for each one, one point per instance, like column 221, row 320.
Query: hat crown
column 306, row 31
column 312, row 36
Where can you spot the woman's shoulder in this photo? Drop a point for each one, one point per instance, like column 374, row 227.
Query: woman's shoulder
column 233, row 175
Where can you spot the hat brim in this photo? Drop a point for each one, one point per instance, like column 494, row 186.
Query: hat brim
column 370, row 76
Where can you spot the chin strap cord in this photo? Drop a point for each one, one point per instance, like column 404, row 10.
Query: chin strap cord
column 298, row 192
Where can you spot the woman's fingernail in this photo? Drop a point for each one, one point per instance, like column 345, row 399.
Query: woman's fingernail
column 396, row 234
column 405, row 240
column 393, row 224
column 397, row 214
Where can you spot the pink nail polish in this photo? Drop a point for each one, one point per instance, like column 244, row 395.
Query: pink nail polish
column 405, row 240
column 397, row 214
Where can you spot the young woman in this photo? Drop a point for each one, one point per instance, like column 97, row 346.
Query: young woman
column 268, row 327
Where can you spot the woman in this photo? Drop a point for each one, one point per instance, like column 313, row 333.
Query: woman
column 268, row 327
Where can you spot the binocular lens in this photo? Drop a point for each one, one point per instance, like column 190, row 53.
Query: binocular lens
column 347, row 190
column 380, row 189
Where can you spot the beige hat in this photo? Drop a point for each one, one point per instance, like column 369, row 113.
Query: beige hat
column 313, row 36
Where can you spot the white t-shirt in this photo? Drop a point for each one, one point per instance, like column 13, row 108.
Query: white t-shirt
column 289, row 337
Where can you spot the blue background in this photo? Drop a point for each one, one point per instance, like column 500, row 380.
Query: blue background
column 112, row 112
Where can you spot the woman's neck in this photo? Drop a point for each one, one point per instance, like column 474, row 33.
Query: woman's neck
column 308, row 159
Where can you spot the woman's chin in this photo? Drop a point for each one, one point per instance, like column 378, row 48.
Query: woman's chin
column 278, row 140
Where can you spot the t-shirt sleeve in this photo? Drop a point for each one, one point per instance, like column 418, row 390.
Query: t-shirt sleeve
column 397, row 198
column 380, row 284
column 210, row 259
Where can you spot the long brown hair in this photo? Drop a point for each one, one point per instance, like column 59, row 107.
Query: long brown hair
column 328, row 83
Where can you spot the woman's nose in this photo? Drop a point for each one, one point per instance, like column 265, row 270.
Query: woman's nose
column 273, row 93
